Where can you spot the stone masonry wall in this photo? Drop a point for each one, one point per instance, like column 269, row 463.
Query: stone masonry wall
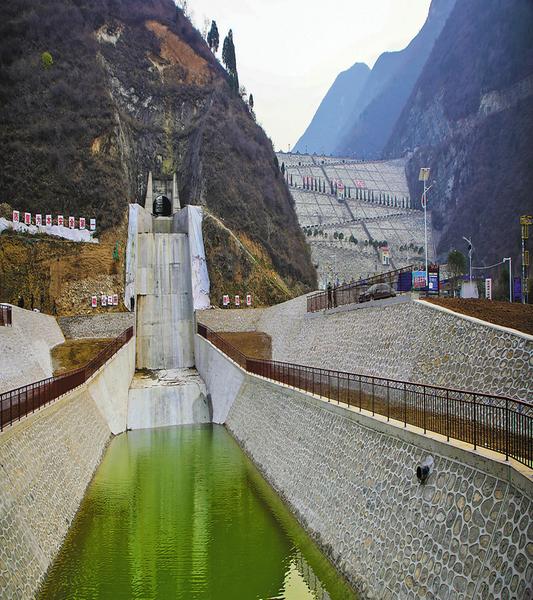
column 412, row 341
column 96, row 326
column 466, row 534
column 46, row 462
column 25, row 348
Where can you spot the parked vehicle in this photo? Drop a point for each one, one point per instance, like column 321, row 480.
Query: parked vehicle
column 377, row 292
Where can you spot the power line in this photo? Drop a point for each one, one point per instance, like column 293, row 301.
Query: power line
column 490, row 266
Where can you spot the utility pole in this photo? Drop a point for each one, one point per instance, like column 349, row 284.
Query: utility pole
column 469, row 255
column 525, row 222
column 424, row 176
column 510, row 278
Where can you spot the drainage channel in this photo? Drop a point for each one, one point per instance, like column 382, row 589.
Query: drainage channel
column 181, row 512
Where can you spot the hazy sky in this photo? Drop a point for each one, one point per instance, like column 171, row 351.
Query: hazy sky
column 290, row 51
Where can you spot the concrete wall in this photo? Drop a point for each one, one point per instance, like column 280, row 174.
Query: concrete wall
column 109, row 387
column 46, row 462
column 25, row 348
column 414, row 341
column 96, row 326
column 222, row 379
column 164, row 302
column 167, row 398
column 350, row 479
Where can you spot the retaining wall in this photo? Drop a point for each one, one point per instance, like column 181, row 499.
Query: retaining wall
column 351, row 481
column 412, row 341
column 25, row 348
column 46, row 462
column 109, row 325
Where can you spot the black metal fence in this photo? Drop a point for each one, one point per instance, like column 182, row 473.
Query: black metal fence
column 399, row 280
column 21, row 401
column 6, row 315
column 493, row 422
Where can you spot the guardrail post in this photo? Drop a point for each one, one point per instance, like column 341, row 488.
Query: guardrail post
column 424, row 409
column 388, row 401
column 447, row 416
column 506, row 429
column 405, row 404
column 475, row 422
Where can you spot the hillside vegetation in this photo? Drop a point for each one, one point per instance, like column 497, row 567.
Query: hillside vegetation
column 95, row 93
column 470, row 118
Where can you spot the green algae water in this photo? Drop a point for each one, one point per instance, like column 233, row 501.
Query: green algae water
column 182, row 513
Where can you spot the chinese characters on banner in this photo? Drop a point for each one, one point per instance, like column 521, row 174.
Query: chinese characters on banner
column 48, row 220
column 105, row 300
column 226, row 300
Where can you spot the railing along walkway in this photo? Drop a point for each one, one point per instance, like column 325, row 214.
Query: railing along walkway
column 6, row 315
column 21, row 401
column 493, row 422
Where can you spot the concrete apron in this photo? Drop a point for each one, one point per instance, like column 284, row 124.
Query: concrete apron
column 168, row 397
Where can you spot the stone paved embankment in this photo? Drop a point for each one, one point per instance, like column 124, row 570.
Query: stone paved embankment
column 413, row 341
column 96, row 326
column 467, row 533
column 46, row 462
column 25, row 348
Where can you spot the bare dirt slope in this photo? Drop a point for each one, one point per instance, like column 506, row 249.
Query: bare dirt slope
column 517, row 316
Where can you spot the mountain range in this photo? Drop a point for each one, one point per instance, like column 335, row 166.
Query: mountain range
column 94, row 94
column 457, row 99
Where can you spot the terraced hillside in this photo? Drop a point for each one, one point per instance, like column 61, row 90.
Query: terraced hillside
column 348, row 230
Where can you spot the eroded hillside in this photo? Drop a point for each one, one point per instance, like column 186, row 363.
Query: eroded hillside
column 132, row 88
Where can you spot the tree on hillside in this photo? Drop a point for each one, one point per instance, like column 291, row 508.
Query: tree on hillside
column 251, row 102
column 230, row 61
column 456, row 266
column 213, row 38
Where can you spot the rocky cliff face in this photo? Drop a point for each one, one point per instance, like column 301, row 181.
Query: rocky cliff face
column 133, row 87
column 388, row 88
column 323, row 133
column 470, row 118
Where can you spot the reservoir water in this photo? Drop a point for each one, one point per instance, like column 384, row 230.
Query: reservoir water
column 182, row 513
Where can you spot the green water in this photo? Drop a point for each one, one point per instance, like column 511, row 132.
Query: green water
column 182, row 513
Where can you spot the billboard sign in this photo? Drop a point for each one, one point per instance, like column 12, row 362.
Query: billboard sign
column 517, row 289
column 237, row 301
column 248, row 299
column 16, row 216
column 488, row 288
column 60, row 220
column 92, row 224
column 27, row 218
column 48, row 220
column 419, row 280
column 225, row 300
column 82, row 223
column 38, row 220
column 94, row 301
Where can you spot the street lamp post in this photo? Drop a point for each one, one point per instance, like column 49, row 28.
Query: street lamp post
column 510, row 278
column 469, row 255
column 424, row 176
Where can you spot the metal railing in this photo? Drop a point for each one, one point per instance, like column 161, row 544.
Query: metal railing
column 6, row 315
column 399, row 280
column 493, row 422
column 21, row 401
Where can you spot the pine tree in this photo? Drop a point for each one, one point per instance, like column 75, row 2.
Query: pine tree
column 229, row 59
column 213, row 38
column 251, row 102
